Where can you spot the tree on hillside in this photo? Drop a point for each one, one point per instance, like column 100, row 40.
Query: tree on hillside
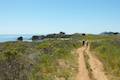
column 62, row 33
column 35, row 37
column 110, row 33
column 83, row 34
column 20, row 38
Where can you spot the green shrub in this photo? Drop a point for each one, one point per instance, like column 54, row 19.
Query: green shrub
column 38, row 60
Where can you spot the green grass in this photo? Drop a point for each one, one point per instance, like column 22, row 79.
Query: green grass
column 55, row 59
column 108, row 51
column 47, row 60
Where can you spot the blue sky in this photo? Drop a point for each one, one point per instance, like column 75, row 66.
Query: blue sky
column 49, row 16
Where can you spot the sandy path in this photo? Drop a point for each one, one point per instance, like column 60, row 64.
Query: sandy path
column 96, row 66
column 83, row 72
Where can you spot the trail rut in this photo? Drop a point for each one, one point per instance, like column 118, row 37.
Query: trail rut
column 82, row 70
column 96, row 66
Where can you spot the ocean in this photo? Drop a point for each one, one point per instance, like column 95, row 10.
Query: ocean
column 6, row 38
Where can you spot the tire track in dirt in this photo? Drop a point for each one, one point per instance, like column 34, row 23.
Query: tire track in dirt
column 96, row 66
column 82, row 70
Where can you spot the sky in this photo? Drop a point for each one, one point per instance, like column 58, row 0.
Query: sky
column 51, row 16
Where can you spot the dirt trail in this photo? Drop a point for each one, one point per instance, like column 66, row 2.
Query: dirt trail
column 82, row 70
column 95, row 65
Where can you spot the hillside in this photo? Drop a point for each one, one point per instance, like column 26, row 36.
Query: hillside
column 47, row 60
column 62, row 59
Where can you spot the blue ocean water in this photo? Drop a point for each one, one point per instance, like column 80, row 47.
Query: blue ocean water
column 6, row 38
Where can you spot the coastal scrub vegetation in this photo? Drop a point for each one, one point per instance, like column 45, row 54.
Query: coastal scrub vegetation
column 108, row 51
column 46, row 60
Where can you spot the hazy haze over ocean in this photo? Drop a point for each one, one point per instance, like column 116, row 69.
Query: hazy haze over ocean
column 7, row 37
